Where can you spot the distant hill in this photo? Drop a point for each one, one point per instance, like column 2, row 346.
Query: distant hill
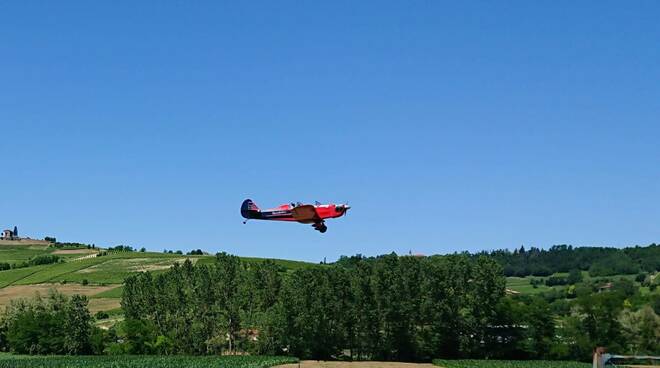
column 598, row 261
column 95, row 272
column 24, row 241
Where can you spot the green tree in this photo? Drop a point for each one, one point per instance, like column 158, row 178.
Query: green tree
column 53, row 325
column 77, row 326
column 641, row 331
column 540, row 332
column 574, row 276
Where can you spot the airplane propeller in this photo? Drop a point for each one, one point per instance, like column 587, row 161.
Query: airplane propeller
column 344, row 208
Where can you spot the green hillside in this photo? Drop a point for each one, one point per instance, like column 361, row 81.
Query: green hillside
column 97, row 273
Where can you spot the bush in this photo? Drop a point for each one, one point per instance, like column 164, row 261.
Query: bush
column 44, row 259
column 556, row 280
column 54, row 325
column 69, row 245
column 574, row 277
column 541, row 271
column 101, row 315
column 121, row 248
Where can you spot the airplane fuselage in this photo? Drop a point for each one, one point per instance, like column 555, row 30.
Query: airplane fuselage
column 304, row 213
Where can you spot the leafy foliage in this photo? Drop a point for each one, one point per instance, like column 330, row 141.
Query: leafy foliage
column 44, row 259
column 598, row 261
column 391, row 308
column 8, row 361
column 52, row 325
column 508, row 364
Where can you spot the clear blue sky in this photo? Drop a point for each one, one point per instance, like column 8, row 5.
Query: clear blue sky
column 448, row 126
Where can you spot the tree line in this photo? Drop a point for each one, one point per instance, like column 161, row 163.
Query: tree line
column 388, row 308
column 569, row 323
column 37, row 260
column 599, row 261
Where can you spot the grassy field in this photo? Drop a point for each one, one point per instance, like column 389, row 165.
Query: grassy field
column 355, row 364
column 115, row 292
column 11, row 361
column 23, row 291
column 508, row 364
column 110, row 269
column 103, row 275
column 20, row 253
column 522, row 285
column 9, row 277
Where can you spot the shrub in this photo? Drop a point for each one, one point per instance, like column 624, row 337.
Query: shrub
column 556, row 280
column 44, row 259
column 56, row 324
column 101, row 315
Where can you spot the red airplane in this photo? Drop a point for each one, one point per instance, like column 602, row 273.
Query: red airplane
column 314, row 214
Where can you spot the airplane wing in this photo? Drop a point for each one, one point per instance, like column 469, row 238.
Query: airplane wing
column 305, row 214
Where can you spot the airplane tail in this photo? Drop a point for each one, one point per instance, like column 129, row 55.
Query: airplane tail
column 249, row 209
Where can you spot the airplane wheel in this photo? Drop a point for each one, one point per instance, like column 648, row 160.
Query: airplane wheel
column 320, row 227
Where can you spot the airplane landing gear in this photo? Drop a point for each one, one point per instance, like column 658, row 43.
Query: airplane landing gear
column 320, row 226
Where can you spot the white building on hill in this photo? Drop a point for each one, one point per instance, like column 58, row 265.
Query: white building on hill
column 10, row 234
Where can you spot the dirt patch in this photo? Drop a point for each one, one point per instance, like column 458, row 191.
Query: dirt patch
column 28, row 291
column 107, row 323
column 42, row 244
column 135, row 264
column 74, row 251
column 104, row 304
column 322, row 364
column 161, row 265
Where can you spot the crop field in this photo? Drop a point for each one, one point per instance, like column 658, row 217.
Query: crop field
column 106, row 305
column 27, row 291
column 355, row 364
column 75, row 252
column 112, row 293
column 522, row 285
column 20, row 253
column 11, row 361
column 111, row 269
column 102, row 276
column 9, row 277
column 468, row 363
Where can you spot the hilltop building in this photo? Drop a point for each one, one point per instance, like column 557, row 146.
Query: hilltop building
column 10, row 234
